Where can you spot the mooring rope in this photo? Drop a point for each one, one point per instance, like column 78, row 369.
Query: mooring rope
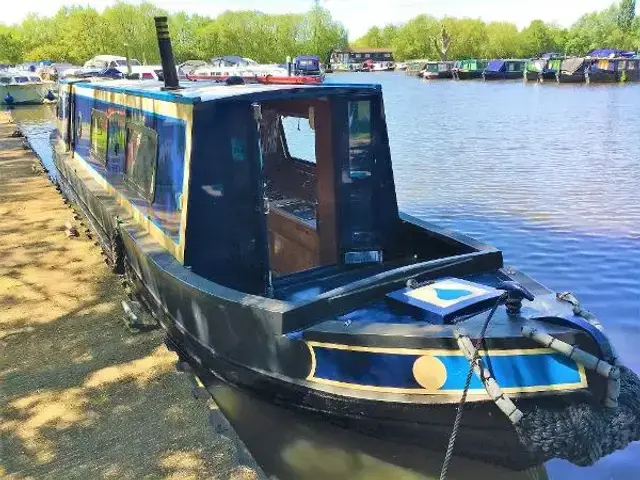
column 467, row 384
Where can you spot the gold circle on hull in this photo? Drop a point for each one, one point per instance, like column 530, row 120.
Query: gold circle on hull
column 429, row 372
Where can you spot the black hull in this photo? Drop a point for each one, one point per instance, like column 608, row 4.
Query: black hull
column 601, row 77
column 532, row 76
column 548, row 77
column 573, row 78
column 502, row 76
column 439, row 76
column 427, row 426
column 468, row 75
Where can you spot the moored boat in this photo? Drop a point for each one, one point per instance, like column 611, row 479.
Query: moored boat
column 290, row 272
column 468, row 69
column 437, row 70
column 613, row 70
column 307, row 65
column 572, row 70
column 510, row 69
column 541, row 69
column 222, row 68
column 415, row 67
column 23, row 88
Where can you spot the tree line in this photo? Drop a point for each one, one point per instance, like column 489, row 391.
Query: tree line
column 75, row 34
column 428, row 37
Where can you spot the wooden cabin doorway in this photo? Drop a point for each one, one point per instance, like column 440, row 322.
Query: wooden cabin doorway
column 299, row 169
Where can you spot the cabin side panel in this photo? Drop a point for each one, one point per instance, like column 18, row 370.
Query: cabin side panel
column 226, row 235
column 139, row 155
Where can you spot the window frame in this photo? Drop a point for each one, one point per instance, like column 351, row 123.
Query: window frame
column 103, row 160
column 110, row 117
column 285, row 143
column 143, row 129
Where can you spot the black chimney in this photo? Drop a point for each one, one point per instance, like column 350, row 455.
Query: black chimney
column 166, row 54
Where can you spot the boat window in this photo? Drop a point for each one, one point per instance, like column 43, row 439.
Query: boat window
column 299, row 138
column 298, row 166
column 359, row 139
column 358, row 178
column 5, row 80
column 21, row 79
column 631, row 65
column 35, row 79
column 116, row 136
column 141, row 159
column 514, row 67
column 98, row 136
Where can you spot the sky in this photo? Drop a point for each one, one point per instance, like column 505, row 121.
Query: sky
column 357, row 15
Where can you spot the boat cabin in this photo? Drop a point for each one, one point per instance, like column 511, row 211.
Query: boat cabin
column 608, row 70
column 509, row 69
column 19, row 78
column 243, row 184
column 307, row 65
column 470, row 64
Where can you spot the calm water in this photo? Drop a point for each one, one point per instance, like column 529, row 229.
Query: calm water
column 549, row 174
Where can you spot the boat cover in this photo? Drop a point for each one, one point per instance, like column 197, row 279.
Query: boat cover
column 610, row 52
column 571, row 65
column 495, row 66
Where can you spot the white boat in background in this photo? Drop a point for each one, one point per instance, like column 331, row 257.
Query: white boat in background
column 233, row 66
column 111, row 61
column 22, row 88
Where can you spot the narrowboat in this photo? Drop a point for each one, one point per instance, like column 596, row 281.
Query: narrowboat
column 542, row 69
column 504, row 70
column 437, row 70
column 260, row 224
column 572, row 70
column 613, row 70
column 468, row 69
column 415, row 67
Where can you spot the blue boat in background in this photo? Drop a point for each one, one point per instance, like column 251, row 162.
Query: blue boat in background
column 307, row 65
column 510, row 69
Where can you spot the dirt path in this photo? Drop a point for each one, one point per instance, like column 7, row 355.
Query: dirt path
column 80, row 396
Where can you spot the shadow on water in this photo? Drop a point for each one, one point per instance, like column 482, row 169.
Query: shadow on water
column 291, row 446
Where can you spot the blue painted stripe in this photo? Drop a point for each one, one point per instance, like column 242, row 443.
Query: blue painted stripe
column 396, row 370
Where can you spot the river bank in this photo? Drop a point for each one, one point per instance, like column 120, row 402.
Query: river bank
column 82, row 396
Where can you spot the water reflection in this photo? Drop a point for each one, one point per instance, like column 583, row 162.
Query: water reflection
column 291, row 446
column 37, row 122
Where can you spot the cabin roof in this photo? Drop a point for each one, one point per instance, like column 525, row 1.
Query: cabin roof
column 210, row 91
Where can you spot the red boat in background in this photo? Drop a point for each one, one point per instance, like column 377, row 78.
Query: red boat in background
column 265, row 79
column 231, row 66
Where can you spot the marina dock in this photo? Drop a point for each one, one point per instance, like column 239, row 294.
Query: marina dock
column 82, row 396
